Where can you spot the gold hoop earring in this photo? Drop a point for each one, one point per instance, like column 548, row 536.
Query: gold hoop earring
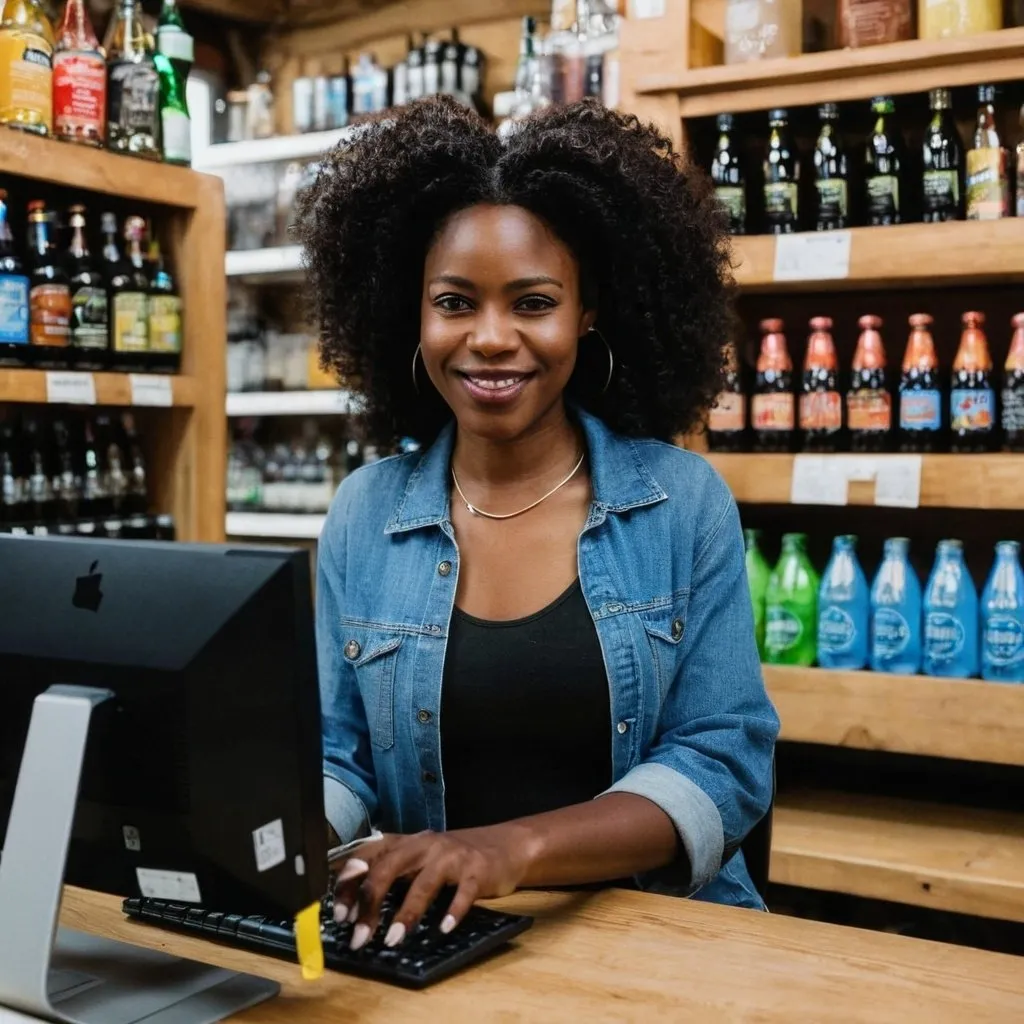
column 611, row 359
column 415, row 383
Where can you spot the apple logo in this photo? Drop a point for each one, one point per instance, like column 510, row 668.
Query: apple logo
column 87, row 590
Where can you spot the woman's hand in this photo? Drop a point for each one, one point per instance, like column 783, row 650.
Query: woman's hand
column 481, row 863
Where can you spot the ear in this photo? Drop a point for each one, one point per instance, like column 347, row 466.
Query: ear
column 587, row 320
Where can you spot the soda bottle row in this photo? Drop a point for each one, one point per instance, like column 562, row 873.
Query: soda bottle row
column 871, row 410
column 892, row 626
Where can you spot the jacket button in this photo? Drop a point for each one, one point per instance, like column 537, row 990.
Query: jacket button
column 677, row 629
column 444, row 569
column 424, row 716
column 429, row 777
column 622, row 728
column 615, row 607
column 352, row 650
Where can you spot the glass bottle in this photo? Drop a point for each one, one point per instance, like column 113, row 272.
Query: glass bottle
column 883, row 166
column 921, row 412
column 133, row 86
column 943, row 152
column 869, row 23
column 868, row 403
column 1012, row 404
column 762, row 29
column 728, row 177
column 988, row 181
column 174, row 41
column 137, row 496
column 821, row 406
column 843, row 609
column 66, row 483
column 164, row 306
column 831, row 173
column 90, row 326
column 1019, row 205
column 26, row 66
column 1002, row 617
column 12, row 477
column 49, row 297
column 173, row 61
column 950, row 616
column 781, row 177
column 972, row 400
column 38, row 478
column 14, row 285
column 944, row 19
column 772, row 408
column 758, row 573
column 727, row 418
column 896, row 612
column 129, row 294
column 79, row 80
column 791, row 606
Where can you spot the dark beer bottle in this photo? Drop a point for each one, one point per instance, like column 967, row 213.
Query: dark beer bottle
column 781, row 177
column 972, row 401
column 868, row 403
column 727, row 419
column 772, row 406
column 729, row 179
column 920, row 390
column 831, row 174
column 1012, row 411
column 90, row 326
column 942, row 180
column 49, row 297
column 883, row 166
column 821, row 406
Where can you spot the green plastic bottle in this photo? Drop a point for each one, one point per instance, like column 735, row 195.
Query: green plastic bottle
column 791, row 606
column 758, row 572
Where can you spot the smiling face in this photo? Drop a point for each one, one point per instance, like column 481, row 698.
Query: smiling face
column 500, row 321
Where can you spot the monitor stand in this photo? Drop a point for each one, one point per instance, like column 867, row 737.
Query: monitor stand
column 53, row 974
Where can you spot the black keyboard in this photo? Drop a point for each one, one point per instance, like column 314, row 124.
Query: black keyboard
column 426, row 956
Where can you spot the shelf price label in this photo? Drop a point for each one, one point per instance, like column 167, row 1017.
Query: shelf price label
column 818, row 256
column 151, row 389
column 826, row 479
column 69, row 388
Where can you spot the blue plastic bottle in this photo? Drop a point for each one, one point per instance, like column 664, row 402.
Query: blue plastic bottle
column 896, row 612
column 1002, row 617
column 843, row 609
column 950, row 616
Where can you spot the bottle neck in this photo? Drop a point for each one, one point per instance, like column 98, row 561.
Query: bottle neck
column 821, row 352
column 79, row 247
column 870, row 353
column 973, row 352
column 920, row 353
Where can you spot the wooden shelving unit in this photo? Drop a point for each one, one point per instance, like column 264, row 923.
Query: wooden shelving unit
column 187, row 440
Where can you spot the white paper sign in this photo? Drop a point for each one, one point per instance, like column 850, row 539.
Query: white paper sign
column 817, row 480
column 825, row 479
column 70, row 388
column 898, row 482
column 647, row 8
column 176, row 886
column 151, row 389
column 268, row 842
column 817, row 256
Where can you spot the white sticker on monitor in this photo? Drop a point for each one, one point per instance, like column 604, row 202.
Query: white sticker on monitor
column 132, row 839
column 268, row 842
column 176, row 886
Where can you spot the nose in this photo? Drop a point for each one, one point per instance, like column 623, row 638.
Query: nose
column 492, row 334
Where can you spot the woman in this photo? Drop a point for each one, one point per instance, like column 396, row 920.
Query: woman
column 536, row 647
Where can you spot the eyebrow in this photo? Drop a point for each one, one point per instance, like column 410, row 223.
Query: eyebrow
column 513, row 286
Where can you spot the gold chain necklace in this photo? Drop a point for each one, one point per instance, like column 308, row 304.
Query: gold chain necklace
column 473, row 510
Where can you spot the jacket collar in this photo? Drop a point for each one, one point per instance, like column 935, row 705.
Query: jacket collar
column 620, row 478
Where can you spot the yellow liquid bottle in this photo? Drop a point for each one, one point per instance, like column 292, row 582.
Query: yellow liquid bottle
column 26, row 66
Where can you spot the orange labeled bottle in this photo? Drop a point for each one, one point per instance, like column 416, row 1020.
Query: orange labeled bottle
column 772, row 408
column 821, row 405
column 972, row 401
column 26, row 66
column 921, row 419
column 727, row 419
column 1013, row 390
column 49, row 297
column 868, row 402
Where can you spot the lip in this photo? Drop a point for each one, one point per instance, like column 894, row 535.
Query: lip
column 494, row 387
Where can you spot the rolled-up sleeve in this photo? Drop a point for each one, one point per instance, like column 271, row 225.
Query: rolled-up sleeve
column 710, row 765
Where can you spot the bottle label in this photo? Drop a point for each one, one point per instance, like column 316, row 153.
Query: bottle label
column 920, row 410
column 891, row 633
column 734, row 200
column 988, row 185
column 971, row 410
column 1003, row 640
column 14, row 318
column 869, row 409
column 50, row 314
column 165, row 323
column 836, row 630
column 131, row 322
column 941, row 191
column 175, row 44
column 79, row 92
column 26, row 78
column 782, row 631
column 89, row 326
column 177, row 136
column 773, row 411
column 781, row 202
column 1013, row 408
column 833, row 202
column 134, row 99
column 821, row 410
column 728, row 413
column 884, row 198
column 943, row 637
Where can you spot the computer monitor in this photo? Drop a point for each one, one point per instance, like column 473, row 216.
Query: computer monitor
column 159, row 736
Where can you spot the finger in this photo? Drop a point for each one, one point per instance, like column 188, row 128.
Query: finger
column 462, row 902
column 346, row 887
column 381, row 876
column 421, row 894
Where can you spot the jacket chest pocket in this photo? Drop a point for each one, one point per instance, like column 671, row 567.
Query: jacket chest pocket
column 665, row 628
column 375, row 659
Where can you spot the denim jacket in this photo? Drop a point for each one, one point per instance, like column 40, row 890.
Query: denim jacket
column 661, row 565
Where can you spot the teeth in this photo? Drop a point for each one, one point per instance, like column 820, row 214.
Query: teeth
column 495, row 385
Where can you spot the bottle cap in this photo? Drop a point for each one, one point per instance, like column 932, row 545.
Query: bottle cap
column 973, row 319
column 724, row 122
column 828, row 111
column 778, row 114
column 794, row 540
column 986, row 93
column 938, row 99
column 821, row 323
column 951, row 544
column 898, row 543
column 1008, row 545
column 882, row 105
column 919, row 320
column 771, row 326
column 1017, row 320
column 869, row 322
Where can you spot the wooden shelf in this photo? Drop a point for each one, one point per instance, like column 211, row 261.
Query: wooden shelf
column 111, row 388
column 993, row 481
column 929, row 855
column 914, row 66
column 901, row 256
column 326, row 402
column 229, row 155
column 283, row 263
column 969, row 720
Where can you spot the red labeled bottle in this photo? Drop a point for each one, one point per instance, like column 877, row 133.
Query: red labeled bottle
column 772, row 409
column 79, row 80
column 868, row 402
column 727, row 418
column 821, row 405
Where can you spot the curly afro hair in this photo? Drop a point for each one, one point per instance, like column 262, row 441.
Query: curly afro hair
column 644, row 227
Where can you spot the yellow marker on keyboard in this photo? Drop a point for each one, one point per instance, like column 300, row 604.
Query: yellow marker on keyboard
column 307, row 942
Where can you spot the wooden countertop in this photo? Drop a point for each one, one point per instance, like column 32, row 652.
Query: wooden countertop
column 625, row 956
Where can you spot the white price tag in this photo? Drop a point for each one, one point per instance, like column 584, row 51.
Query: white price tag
column 646, row 8
column 817, row 256
column 817, row 480
column 70, row 388
column 898, row 481
column 176, row 886
column 151, row 389
column 268, row 843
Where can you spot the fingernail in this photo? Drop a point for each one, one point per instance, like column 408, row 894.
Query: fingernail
column 360, row 936
column 448, row 924
column 353, row 869
column 395, row 935
column 353, row 914
column 340, row 912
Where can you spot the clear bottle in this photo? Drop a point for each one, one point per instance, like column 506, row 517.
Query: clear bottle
column 14, row 296
column 843, row 609
column 781, row 186
column 133, row 86
column 943, row 152
column 1002, row 617
column 26, row 66
column 896, row 612
column 950, row 616
column 728, row 177
column 791, row 606
column 831, row 173
column 883, row 166
column 988, row 180
column 758, row 573
column 79, row 80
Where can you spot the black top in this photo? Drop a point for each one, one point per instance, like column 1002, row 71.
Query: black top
column 525, row 714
